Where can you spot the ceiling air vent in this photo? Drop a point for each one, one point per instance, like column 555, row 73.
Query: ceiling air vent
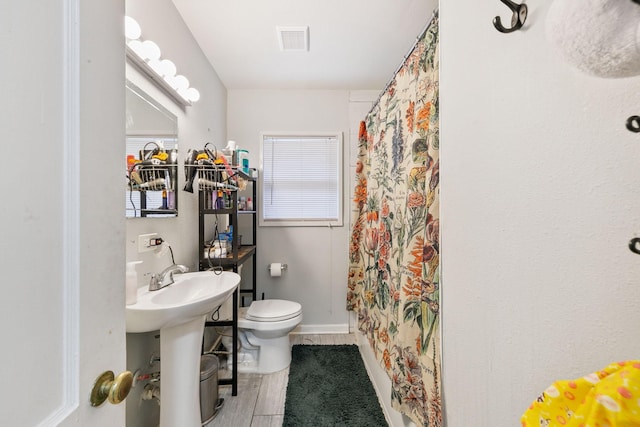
column 293, row 39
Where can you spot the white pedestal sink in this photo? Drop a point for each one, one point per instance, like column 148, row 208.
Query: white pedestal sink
column 179, row 312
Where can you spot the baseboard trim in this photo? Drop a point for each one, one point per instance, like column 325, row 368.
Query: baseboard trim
column 341, row 328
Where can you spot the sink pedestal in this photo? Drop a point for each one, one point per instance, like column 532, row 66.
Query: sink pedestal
column 180, row 374
column 179, row 311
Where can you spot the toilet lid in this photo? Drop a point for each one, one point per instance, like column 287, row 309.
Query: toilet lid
column 273, row 310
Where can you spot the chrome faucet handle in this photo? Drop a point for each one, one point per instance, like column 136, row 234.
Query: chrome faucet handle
column 176, row 269
column 154, row 282
column 181, row 269
column 165, row 278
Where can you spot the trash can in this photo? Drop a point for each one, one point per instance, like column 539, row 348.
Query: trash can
column 208, row 387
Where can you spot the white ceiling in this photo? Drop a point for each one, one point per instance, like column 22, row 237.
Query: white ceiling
column 354, row 44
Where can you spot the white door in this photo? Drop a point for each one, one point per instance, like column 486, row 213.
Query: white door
column 62, row 226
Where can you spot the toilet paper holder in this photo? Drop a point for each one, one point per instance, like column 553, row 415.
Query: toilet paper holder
column 282, row 267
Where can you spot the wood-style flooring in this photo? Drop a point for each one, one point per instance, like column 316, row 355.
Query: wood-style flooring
column 260, row 399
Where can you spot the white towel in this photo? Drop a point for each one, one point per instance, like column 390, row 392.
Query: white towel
column 600, row 37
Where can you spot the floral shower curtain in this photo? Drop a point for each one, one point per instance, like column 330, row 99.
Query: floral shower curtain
column 394, row 255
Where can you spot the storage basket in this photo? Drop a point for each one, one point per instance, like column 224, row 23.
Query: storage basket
column 154, row 178
column 209, row 178
column 212, row 178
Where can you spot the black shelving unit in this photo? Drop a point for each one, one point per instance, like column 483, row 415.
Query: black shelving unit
column 238, row 255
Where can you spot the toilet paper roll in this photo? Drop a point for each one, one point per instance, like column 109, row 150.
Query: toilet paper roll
column 275, row 269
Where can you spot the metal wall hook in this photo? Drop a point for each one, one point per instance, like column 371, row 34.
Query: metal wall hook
column 517, row 19
column 633, row 124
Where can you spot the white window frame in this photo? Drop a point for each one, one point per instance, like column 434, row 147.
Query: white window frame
column 332, row 222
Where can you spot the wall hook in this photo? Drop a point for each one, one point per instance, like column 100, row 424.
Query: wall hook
column 517, row 19
column 633, row 245
column 633, row 124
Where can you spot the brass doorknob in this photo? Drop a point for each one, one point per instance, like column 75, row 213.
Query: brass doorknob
column 115, row 390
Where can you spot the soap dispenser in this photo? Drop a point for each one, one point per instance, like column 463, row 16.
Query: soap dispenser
column 132, row 282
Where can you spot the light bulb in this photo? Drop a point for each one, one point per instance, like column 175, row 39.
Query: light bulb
column 136, row 47
column 171, row 81
column 181, row 82
column 168, row 68
column 150, row 50
column 192, row 94
column 183, row 94
column 131, row 28
column 156, row 66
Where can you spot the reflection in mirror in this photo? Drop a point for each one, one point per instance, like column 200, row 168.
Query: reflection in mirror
column 152, row 157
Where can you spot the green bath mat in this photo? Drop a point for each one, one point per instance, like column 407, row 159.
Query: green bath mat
column 329, row 386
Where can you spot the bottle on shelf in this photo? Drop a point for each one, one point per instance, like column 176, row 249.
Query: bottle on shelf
column 219, row 200
column 165, row 204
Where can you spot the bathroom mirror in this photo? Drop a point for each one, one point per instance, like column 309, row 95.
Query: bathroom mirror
column 151, row 177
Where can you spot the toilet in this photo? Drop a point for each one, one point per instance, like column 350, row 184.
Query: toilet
column 263, row 330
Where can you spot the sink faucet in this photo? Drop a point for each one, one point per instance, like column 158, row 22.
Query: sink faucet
column 165, row 278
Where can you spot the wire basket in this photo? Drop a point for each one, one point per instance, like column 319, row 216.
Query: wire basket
column 154, row 178
column 213, row 178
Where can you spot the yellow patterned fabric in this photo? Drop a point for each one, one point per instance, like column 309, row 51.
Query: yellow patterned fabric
column 394, row 253
column 607, row 398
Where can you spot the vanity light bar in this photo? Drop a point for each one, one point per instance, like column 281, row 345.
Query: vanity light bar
column 146, row 56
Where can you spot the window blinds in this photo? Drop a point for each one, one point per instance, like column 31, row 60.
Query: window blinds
column 301, row 178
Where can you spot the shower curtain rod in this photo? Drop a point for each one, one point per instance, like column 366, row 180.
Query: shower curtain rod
column 424, row 30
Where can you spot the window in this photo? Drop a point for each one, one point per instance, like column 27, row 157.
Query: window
column 301, row 179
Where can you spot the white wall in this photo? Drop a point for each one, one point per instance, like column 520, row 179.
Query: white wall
column 539, row 198
column 316, row 256
column 204, row 121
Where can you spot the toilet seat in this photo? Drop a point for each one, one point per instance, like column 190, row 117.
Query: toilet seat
column 263, row 331
column 273, row 310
